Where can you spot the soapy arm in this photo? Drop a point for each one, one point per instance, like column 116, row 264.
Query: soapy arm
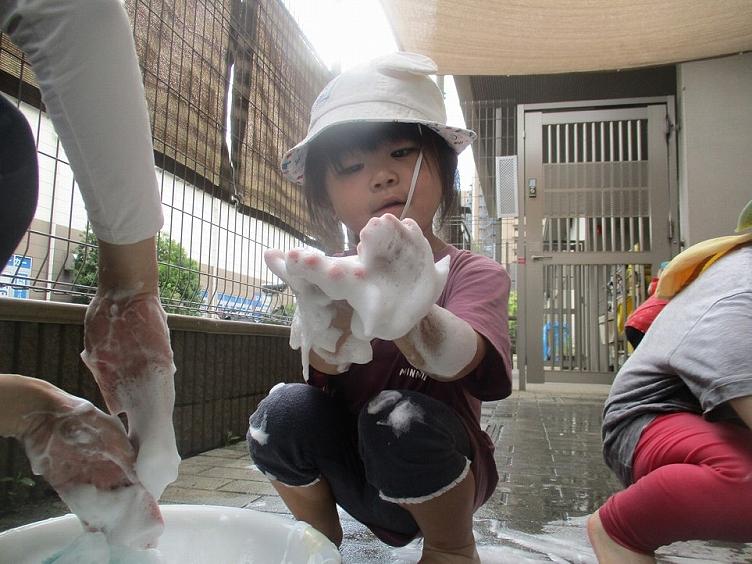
column 127, row 348
column 443, row 345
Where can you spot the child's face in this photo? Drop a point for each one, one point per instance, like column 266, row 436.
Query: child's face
column 372, row 183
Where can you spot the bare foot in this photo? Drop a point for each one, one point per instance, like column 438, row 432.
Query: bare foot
column 607, row 551
column 463, row 555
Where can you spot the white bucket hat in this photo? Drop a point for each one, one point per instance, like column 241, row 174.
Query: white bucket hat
column 391, row 88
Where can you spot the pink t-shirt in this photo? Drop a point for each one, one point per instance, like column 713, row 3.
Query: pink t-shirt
column 477, row 291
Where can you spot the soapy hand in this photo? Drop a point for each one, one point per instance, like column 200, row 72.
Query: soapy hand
column 87, row 458
column 320, row 323
column 127, row 348
column 403, row 280
column 390, row 285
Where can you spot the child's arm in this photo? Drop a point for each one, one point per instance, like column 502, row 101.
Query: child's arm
column 443, row 345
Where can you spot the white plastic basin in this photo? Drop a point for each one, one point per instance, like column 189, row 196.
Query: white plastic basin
column 194, row 534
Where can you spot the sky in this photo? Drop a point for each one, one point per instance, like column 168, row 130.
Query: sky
column 347, row 32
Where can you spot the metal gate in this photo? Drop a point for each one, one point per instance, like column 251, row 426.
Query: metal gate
column 598, row 187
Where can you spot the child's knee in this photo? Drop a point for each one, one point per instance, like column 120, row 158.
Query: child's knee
column 289, row 430
column 389, row 416
column 400, row 436
column 288, row 410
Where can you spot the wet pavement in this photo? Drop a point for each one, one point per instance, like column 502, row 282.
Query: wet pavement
column 551, row 477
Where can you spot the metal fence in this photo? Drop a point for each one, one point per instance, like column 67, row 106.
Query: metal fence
column 229, row 85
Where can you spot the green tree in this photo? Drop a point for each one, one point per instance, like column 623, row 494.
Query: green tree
column 179, row 283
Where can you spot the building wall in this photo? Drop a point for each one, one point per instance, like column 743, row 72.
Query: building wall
column 715, row 145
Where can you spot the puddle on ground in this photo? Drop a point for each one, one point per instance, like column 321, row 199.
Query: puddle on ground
column 566, row 542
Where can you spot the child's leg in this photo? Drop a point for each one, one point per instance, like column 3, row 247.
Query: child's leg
column 448, row 540
column 692, row 481
column 417, row 453
column 315, row 505
column 305, row 443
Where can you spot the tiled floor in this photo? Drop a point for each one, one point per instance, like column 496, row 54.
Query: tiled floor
column 552, row 475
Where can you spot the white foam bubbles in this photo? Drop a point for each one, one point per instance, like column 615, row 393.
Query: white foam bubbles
column 390, row 284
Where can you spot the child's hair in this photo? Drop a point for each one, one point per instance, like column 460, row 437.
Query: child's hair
column 327, row 151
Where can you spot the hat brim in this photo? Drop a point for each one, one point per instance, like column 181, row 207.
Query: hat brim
column 293, row 161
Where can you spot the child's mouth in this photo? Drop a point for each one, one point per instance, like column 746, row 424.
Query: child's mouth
column 393, row 207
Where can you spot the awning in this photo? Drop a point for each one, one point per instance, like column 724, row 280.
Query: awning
column 524, row 37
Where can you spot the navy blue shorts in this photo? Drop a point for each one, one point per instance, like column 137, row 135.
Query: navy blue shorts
column 402, row 447
column 18, row 178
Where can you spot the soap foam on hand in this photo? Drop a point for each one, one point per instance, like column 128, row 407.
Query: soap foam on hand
column 127, row 349
column 390, row 284
column 86, row 456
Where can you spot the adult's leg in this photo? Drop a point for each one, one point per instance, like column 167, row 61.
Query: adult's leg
column 691, row 482
column 416, row 451
column 18, row 178
column 306, row 443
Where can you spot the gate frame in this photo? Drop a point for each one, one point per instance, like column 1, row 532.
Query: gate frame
column 522, row 251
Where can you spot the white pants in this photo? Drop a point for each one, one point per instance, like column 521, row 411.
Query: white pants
column 83, row 54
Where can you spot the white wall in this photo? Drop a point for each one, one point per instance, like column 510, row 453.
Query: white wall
column 715, row 144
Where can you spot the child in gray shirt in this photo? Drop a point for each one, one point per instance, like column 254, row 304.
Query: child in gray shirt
column 676, row 426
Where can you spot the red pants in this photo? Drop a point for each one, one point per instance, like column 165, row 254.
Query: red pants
column 692, row 480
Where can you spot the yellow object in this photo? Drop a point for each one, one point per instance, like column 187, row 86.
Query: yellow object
column 745, row 218
column 690, row 263
column 621, row 315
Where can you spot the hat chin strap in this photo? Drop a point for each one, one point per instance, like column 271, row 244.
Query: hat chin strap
column 413, row 182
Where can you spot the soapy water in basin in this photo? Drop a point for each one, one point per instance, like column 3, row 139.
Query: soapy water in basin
column 194, row 534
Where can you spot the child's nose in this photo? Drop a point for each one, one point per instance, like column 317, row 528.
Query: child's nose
column 384, row 178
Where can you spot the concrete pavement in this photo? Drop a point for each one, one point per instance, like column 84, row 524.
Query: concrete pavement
column 551, row 477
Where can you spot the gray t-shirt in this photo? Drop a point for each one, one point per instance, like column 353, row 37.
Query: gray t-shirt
column 695, row 357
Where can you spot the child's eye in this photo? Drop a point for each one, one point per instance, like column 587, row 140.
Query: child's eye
column 352, row 168
column 403, row 152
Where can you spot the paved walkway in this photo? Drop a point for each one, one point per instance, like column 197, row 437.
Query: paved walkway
column 551, row 477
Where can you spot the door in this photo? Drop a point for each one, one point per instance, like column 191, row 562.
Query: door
column 599, row 195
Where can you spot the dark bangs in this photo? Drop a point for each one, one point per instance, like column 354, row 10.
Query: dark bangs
column 329, row 149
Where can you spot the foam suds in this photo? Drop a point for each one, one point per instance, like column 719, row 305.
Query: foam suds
column 402, row 416
column 128, row 516
column 128, row 351
column 77, row 450
column 384, row 399
column 390, row 284
column 259, row 434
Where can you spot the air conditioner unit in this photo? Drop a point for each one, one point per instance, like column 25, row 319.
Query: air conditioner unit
column 506, row 186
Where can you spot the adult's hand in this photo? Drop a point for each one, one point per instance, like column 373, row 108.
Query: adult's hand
column 86, row 457
column 127, row 348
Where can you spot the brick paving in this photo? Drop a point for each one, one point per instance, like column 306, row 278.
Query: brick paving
column 551, row 477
